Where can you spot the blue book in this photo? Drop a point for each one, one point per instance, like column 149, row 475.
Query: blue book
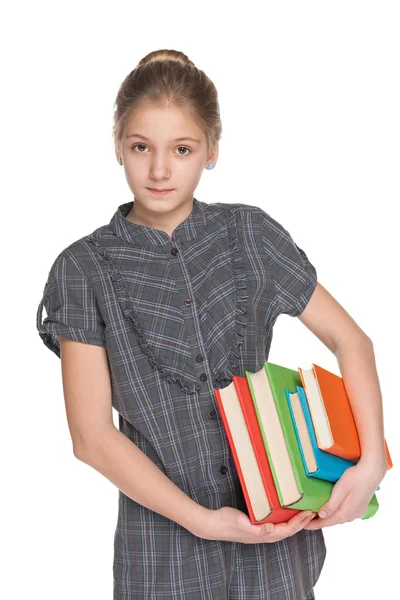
column 317, row 463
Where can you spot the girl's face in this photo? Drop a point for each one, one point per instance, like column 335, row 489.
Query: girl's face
column 163, row 148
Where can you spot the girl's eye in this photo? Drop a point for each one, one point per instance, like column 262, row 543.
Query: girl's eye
column 184, row 147
column 144, row 146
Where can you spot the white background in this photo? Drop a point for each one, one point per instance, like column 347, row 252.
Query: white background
column 309, row 97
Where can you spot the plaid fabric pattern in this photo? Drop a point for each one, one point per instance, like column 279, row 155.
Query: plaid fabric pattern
column 179, row 317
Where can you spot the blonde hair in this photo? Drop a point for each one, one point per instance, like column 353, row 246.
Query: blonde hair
column 169, row 77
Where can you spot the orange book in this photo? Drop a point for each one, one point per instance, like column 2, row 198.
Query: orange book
column 331, row 413
column 240, row 422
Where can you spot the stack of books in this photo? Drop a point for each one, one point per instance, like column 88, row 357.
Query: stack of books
column 292, row 435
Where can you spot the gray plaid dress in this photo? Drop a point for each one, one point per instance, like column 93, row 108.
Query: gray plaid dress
column 179, row 317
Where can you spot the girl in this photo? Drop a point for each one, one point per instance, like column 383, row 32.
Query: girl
column 152, row 311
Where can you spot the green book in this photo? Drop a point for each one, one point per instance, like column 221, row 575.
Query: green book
column 294, row 487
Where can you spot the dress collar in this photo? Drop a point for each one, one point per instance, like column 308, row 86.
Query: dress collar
column 133, row 233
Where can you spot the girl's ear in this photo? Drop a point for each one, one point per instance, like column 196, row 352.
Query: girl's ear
column 213, row 155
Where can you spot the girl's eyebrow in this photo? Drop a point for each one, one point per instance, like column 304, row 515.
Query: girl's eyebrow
column 180, row 139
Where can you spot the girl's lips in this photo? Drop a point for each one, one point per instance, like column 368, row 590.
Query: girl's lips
column 159, row 193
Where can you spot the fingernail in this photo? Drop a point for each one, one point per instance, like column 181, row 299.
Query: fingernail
column 307, row 513
column 269, row 527
column 323, row 514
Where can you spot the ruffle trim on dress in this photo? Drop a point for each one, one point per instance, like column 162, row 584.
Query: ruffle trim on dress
column 225, row 375
column 128, row 309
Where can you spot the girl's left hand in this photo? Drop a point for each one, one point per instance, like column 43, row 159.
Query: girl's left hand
column 350, row 495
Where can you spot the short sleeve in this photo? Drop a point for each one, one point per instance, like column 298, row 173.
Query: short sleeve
column 71, row 307
column 294, row 276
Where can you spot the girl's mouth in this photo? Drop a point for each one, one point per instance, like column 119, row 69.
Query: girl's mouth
column 160, row 192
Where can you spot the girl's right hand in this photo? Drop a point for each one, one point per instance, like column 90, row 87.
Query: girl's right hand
column 232, row 525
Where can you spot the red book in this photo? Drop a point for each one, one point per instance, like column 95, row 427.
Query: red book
column 239, row 418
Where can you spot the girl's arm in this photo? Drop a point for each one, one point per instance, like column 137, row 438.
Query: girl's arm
column 328, row 320
column 97, row 442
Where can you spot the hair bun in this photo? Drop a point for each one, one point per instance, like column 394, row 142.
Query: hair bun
column 165, row 54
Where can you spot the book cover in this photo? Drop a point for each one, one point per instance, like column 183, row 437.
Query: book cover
column 254, row 492
column 327, row 466
column 329, row 390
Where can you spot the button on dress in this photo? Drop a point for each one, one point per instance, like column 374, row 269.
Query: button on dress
column 179, row 317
